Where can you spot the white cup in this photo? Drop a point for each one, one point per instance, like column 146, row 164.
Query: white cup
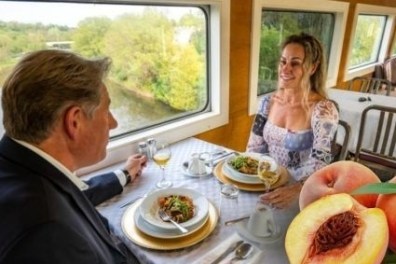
column 261, row 222
column 196, row 165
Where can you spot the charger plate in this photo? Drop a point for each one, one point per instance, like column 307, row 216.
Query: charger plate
column 219, row 174
column 138, row 237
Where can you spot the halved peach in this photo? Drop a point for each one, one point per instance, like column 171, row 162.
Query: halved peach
column 337, row 229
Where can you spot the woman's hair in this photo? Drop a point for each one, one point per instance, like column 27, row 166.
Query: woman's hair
column 43, row 85
column 314, row 57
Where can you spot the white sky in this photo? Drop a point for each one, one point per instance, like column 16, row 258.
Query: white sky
column 62, row 14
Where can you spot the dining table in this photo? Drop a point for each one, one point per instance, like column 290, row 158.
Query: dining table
column 351, row 105
column 218, row 236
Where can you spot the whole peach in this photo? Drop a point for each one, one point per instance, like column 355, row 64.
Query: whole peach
column 339, row 177
column 387, row 202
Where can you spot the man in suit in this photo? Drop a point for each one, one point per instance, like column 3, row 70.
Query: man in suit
column 57, row 120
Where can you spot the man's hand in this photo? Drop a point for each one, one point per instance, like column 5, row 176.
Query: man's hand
column 135, row 165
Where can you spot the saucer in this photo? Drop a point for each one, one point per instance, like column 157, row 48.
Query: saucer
column 242, row 230
column 184, row 168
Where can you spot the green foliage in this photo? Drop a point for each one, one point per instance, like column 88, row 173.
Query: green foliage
column 89, row 36
column 152, row 55
column 147, row 59
column 367, row 37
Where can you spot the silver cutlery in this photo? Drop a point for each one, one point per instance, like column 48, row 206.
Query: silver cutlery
column 236, row 220
column 242, row 252
column 239, row 219
column 165, row 217
column 220, row 158
column 130, row 202
column 230, row 249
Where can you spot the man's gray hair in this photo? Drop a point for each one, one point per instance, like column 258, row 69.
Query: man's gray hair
column 43, row 85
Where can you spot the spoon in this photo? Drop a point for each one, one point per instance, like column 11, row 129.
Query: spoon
column 242, row 252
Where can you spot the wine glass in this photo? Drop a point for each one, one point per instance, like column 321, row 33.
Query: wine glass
column 268, row 173
column 161, row 156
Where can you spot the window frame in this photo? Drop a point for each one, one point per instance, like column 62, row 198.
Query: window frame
column 340, row 10
column 119, row 149
column 365, row 9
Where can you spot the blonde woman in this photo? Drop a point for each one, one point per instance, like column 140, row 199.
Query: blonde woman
column 297, row 123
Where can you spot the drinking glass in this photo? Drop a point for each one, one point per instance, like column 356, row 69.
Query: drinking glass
column 229, row 200
column 266, row 174
column 161, row 156
column 264, row 213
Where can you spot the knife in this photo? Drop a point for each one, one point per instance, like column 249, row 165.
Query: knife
column 220, row 158
column 233, row 221
column 227, row 252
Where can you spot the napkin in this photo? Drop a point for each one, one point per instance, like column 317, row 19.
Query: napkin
column 210, row 256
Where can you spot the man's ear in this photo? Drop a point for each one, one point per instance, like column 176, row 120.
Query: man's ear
column 72, row 121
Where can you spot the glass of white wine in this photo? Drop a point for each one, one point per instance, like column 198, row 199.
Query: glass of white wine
column 267, row 173
column 161, row 157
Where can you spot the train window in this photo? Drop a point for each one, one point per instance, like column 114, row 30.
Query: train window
column 367, row 40
column 371, row 37
column 274, row 21
column 166, row 77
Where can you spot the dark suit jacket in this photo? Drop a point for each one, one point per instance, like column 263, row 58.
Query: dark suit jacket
column 102, row 188
column 45, row 218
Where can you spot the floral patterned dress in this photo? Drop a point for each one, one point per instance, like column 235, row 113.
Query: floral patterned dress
column 301, row 152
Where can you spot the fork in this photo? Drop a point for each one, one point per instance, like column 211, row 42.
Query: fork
column 165, row 217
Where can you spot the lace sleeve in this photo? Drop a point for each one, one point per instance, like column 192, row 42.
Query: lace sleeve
column 256, row 141
column 324, row 124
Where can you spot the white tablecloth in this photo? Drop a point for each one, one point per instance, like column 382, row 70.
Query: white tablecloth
column 273, row 252
column 351, row 110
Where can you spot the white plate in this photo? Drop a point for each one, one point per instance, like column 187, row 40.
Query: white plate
column 229, row 173
column 149, row 207
column 185, row 171
column 153, row 231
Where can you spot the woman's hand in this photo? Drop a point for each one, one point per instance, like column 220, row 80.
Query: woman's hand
column 135, row 165
column 282, row 197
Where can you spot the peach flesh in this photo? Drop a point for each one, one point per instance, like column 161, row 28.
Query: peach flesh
column 339, row 177
column 388, row 204
column 330, row 211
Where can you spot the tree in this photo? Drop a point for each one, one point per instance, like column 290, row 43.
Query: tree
column 89, row 36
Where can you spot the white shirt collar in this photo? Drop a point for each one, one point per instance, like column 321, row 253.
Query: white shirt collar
column 72, row 176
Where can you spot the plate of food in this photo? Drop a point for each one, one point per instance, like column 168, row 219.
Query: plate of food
column 153, row 231
column 245, row 167
column 231, row 174
column 185, row 206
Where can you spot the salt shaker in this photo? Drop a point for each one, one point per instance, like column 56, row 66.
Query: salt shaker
column 151, row 147
column 142, row 148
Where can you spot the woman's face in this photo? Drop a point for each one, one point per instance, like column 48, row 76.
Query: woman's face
column 290, row 69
